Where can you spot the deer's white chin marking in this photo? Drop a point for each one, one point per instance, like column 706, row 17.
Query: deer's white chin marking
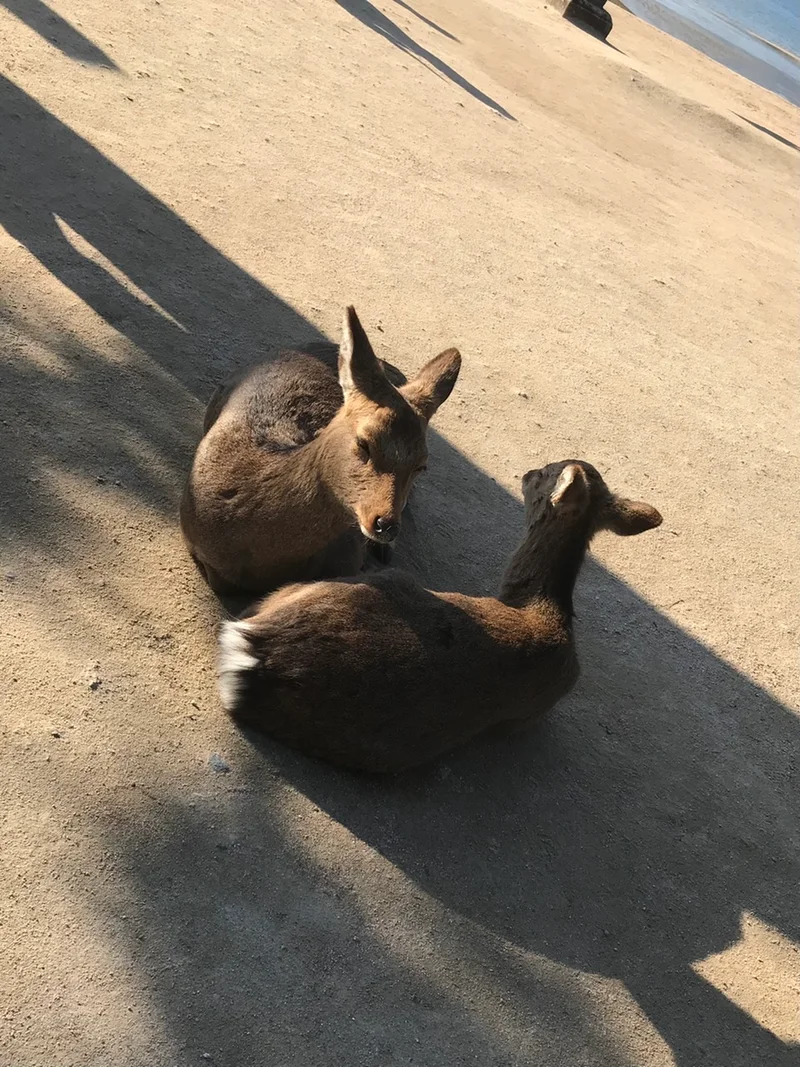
column 235, row 657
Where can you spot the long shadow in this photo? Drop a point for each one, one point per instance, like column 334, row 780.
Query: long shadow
column 370, row 16
column 217, row 315
column 624, row 836
column 426, row 20
column 55, row 29
column 769, row 132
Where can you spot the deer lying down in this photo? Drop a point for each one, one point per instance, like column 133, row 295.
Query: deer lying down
column 301, row 454
column 380, row 674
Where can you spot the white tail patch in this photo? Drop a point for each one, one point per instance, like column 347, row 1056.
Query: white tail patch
column 235, row 657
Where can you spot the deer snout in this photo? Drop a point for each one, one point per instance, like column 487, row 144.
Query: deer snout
column 383, row 528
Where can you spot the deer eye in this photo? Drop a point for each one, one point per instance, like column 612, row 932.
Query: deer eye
column 362, row 447
column 422, row 468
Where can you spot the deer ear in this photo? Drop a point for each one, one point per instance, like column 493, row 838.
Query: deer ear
column 629, row 517
column 359, row 369
column 571, row 488
column 428, row 391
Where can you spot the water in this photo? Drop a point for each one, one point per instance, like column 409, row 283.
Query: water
column 759, row 39
column 776, row 20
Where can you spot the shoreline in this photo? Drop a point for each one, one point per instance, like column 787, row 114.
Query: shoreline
column 764, row 63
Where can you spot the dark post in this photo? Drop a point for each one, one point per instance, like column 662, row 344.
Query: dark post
column 590, row 13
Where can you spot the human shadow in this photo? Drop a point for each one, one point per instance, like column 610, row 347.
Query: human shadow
column 371, row 16
column 768, row 132
column 624, row 836
column 59, row 32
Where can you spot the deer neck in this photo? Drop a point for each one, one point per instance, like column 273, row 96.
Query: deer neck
column 545, row 567
column 310, row 484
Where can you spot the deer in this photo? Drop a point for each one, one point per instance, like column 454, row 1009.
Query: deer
column 306, row 460
column 376, row 673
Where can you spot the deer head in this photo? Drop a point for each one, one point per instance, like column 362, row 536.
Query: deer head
column 574, row 489
column 380, row 430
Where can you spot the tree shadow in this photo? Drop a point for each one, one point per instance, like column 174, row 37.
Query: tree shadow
column 624, row 836
column 264, row 955
column 370, row 16
column 60, row 33
column 202, row 314
column 196, row 315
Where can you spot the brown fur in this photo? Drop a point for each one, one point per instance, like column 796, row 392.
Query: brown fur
column 304, row 458
column 380, row 674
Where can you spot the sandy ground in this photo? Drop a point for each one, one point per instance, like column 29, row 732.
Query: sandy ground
column 608, row 232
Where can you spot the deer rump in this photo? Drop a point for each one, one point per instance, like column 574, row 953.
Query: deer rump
column 307, row 683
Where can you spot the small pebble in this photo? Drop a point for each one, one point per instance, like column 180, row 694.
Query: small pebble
column 218, row 764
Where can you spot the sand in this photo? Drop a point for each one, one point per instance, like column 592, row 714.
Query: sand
column 608, row 232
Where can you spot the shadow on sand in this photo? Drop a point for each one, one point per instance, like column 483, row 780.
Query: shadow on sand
column 60, row 33
column 604, row 840
column 375, row 19
column 426, row 20
column 769, row 132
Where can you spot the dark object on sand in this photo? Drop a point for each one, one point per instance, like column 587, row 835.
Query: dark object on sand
column 589, row 13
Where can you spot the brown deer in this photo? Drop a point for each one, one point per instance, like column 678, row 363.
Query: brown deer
column 305, row 457
column 377, row 673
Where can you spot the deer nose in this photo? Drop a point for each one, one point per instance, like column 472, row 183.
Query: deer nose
column 386, row 528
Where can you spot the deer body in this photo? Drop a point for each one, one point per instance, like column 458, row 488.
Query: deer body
column 440, row 669
column 303, row 459
column 257, row 515
column 381, row 674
